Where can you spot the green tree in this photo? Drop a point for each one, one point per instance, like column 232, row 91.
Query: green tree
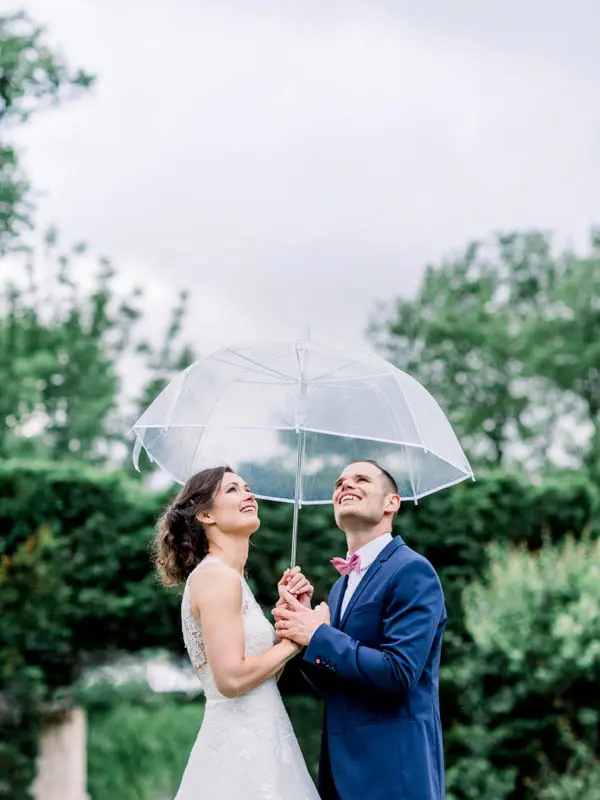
column 62, row 346
column 566, row 333
column 463, row 337
column 529, row 677
column 32, row 77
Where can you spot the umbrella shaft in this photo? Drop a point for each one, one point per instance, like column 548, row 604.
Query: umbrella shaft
column 297, row 497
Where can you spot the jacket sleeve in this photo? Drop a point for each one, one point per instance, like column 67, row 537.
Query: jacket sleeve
column 415, row 605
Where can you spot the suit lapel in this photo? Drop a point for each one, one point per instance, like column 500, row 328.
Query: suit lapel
column 335, row 600
column 369, row 576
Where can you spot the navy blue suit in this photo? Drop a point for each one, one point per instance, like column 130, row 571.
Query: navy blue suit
column 378, row 667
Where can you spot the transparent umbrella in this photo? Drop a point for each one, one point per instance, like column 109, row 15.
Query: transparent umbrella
column 289, row 416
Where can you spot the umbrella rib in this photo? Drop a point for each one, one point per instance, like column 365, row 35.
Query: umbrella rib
column 361, row 379
column 337, row 369
column 419, row 434
column 446, row 485
column 393, row 410
column 262, row 368
column 338, row 434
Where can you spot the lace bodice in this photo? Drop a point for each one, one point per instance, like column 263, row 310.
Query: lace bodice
column 259, row 633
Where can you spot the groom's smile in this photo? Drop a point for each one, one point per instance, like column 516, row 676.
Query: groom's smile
column 349, row 498
column 355, row 492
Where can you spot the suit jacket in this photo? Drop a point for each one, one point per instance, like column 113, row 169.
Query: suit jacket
column 378, row 667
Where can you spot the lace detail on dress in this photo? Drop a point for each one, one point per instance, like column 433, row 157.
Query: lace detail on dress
column 192, row 629
column 246, row 746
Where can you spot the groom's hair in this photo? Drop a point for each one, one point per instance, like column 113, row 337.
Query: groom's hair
column 389, row 479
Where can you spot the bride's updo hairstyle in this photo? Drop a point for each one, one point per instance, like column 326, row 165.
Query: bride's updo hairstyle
column 181, row 542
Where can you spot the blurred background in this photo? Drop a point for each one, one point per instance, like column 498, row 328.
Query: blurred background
column 423, row 178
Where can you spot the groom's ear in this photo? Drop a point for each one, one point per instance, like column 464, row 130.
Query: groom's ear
column 393, row 503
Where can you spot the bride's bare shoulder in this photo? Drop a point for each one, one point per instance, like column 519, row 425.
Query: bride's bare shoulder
column 214, row 582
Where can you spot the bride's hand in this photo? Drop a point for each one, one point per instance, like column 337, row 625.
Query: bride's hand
column 297, row 585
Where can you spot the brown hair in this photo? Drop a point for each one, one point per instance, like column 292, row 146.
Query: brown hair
column 180, row 543
column 389, row 478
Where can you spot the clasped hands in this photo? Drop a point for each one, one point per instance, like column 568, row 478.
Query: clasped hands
column 294, row 618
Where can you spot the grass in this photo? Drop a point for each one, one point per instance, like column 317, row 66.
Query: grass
column 139, row 751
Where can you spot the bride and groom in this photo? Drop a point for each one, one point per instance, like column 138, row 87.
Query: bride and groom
column 373, row 652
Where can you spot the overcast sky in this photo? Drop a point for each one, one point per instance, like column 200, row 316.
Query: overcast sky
column 294, row 162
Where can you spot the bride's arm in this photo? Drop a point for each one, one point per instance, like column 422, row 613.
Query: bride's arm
column 216, row 597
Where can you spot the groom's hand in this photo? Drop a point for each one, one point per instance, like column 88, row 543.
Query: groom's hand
column 298, row 623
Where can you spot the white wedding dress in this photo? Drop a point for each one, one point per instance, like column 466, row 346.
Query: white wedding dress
column 246, row 747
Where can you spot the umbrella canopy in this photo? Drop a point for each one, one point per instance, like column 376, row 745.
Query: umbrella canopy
column 288, row 416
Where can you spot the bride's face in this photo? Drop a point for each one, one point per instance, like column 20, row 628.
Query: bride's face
column 234, row 508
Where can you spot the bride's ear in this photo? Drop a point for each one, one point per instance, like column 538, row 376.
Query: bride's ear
column 205, row 517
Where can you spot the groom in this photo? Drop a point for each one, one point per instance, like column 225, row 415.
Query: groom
column 377, row 662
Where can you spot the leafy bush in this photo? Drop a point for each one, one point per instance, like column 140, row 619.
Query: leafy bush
column 529, row 677
column 75, row 583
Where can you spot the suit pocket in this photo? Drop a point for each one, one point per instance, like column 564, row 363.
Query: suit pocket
column 371, row 607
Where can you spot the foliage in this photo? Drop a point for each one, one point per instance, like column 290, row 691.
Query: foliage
column 76, row 584
column 529, row 676
column 306, row 714
column 31, row 639
column 137, row 750
column 566, row 331
column 32, row 77
column 15, row 207
column 461, row 335
column 502, row 335
column 62, row 347
column 581, row 779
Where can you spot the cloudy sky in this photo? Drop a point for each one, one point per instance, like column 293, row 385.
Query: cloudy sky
column 292, row 162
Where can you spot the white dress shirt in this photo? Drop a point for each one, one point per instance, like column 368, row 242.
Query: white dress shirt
column 368, row 553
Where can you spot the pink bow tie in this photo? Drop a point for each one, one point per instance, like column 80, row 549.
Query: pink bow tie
column 346, row 566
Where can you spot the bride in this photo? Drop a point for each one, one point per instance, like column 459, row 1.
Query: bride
column 246, row 746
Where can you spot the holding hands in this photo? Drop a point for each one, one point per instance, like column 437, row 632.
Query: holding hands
column 294, row 618
column 296, row 584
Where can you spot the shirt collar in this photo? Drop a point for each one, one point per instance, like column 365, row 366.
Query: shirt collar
column 369, row 551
